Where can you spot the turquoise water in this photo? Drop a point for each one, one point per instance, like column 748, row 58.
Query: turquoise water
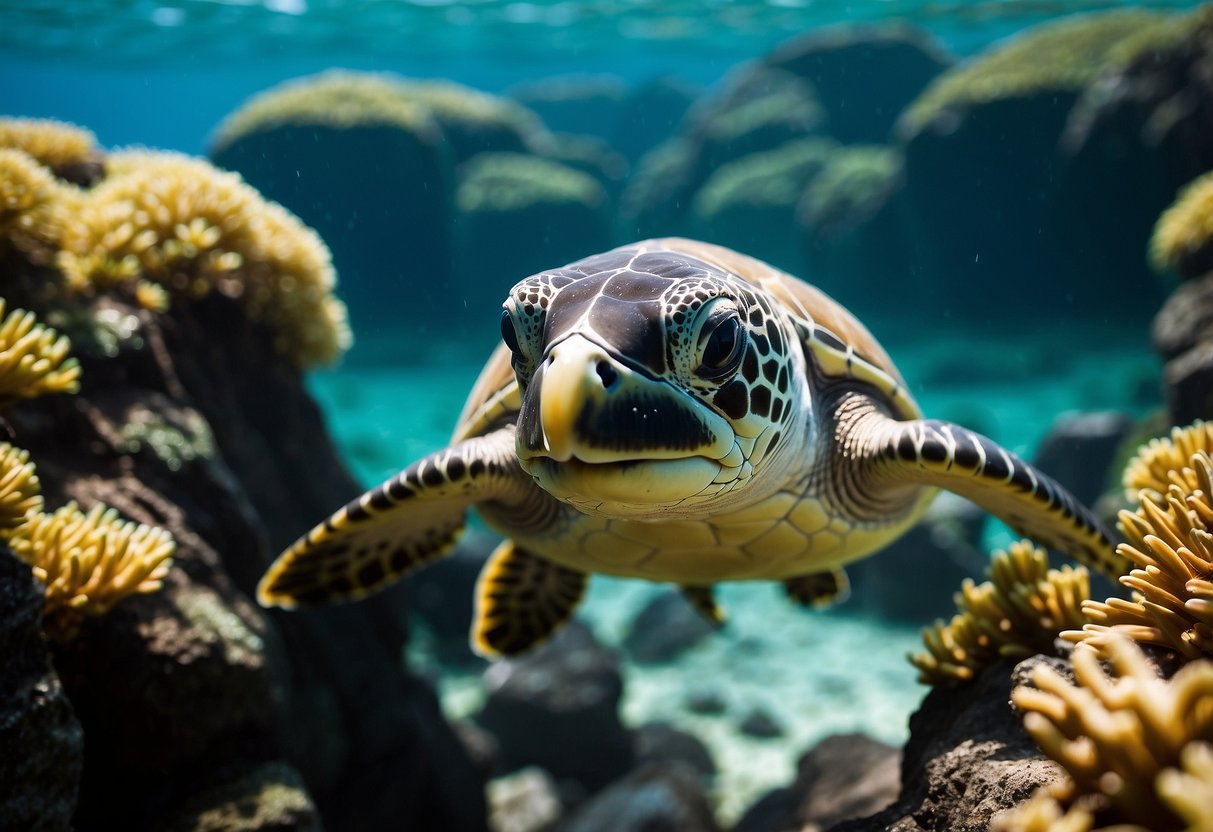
column 165, row 74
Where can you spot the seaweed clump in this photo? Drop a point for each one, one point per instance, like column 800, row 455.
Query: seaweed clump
column 1169, row 543
column 169, row 221
column 34, row 359
column 1136, row 746
column 1183, row 237
column 1018, row 613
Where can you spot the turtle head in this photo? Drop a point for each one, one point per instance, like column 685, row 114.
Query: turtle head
column 654, row 384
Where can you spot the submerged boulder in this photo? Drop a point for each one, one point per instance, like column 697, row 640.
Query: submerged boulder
column 558, row 708
column 662, row 797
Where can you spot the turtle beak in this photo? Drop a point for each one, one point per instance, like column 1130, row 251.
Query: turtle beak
column 584, row 404
column 577, row 374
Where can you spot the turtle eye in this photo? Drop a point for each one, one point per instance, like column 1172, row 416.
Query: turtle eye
column 508, row 333
column 722, row 347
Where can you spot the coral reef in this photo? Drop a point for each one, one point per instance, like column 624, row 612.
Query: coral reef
column 31, row 203
column 34, row 359
column 1117, row 734
column 194, row 229
column 55, row 144
column 1183, row 238
column 1169, row 543
column 1017, row 613
column 90, row 562
column 20, row 490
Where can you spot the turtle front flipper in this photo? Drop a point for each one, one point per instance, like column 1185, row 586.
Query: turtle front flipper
column 406, row 522
column 930, row 452
column 521, row 601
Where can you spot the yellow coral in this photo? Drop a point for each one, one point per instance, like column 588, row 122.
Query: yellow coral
column 1183, row 237
column 1163, row 462
column 1017, row 613
column 192, row 229
column 20, row 490
column 1042, row 813
column 32, row 204
column 1117, row 735
column 34, row 359
column 53, row 143
column 1168, row 541
column 1189, row 791
column 90, row 562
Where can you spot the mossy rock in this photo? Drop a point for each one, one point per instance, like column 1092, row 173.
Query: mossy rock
column 657, row 197
column 864, row 75
column 518, row 214
column 755, row 108
column 651, row 113
column 588, row 154
column 1183, row 238
column 993, row 201
column 578, row 103
column 365, row 166
column 853, row 236
column 477, row 122
column 750, row 204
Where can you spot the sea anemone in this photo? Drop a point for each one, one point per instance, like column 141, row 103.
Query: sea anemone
column 20, row 490
column 1129, row 740
column 31, row 202
column 90, row 562
column 34, row 359
column 54, row 144
column 192, row 229
column 1018, row 613
column 1183, row 237
column 1169, row 543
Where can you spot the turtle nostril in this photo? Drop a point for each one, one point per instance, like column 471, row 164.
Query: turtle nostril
column 606, row 373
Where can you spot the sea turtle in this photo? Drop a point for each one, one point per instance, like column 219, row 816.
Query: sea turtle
column 675, row 411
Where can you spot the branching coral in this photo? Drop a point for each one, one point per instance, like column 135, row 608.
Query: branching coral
column 1058, row 56
column 1017, row 613
column 31, row 202
column 1123, row 738
column 192, row 229
column 90, row 562
column 20, row 490
column 1169, row 543
column 1183, row 236
column 55, row 144
column 34, row 359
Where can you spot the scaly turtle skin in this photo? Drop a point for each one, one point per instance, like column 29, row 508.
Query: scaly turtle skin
column 675, row 411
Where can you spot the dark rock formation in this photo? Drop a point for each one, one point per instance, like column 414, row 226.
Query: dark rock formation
column 864, row 75
column 968, row 758
column 1183, row 336
column 194, row 423
column 574, row 103
column 1079, row 449
column 659, row 742
column 269, row 798
column 842, row 777
column 360, row 187
column 665, row 628
column 558, row 708
column 705, row 701
column 760, row 724
column 664, row 797
column 42, row 742
column 914, row 578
